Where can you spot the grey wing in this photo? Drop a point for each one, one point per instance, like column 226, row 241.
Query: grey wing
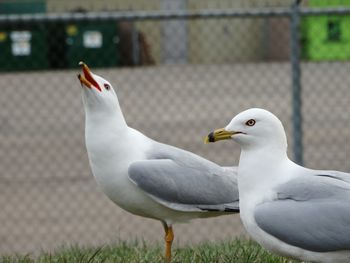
column 185, row 188
column 312, row 212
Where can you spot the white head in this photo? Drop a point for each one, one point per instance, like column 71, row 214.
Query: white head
column 252, row 129
column 98, row 94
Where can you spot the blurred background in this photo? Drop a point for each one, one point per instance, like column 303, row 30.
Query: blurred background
column 179, row 67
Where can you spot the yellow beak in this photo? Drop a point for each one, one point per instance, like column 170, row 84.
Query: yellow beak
column 87, row 79
column 218, row 135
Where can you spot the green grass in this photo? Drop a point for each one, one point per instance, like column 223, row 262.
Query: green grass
column 232, row 251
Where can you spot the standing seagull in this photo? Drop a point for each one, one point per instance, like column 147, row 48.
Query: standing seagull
column 290, row 210
column 148, row 178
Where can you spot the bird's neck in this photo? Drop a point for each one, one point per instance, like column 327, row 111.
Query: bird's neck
column 268, row 153
column 105, row 139
column 260, row 169
column 103, row 128
column 100, row 124
column 110, row 119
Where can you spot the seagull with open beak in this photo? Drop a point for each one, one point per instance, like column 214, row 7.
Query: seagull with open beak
column 145, row 177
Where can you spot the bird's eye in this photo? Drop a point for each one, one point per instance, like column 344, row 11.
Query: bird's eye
column 107, row 87
column 250, row 122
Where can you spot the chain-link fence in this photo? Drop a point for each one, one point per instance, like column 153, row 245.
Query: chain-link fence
column 177, row 73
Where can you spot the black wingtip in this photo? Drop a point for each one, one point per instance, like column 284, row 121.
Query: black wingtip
column 232, row 210
column 226, row 209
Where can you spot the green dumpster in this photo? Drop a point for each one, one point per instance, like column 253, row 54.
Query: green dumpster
column 326, row 37
column 95, row 43
column 22, row 6
column 23, row 45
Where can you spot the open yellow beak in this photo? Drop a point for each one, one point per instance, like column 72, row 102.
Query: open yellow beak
column 218, row 135
column 87, row 79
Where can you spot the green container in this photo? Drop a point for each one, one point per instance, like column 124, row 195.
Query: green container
column 326, row 37
column 95, row 43
column 22, row 6
column 23, row 46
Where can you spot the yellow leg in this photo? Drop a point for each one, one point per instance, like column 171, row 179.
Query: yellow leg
column 169, row 237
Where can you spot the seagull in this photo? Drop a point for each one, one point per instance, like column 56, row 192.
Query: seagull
column 290, row 210
column 145, row 177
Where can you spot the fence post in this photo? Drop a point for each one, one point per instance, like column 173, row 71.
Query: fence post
column 135, row 45
column 296, row 82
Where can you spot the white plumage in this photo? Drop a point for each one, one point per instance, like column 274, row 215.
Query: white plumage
column 145, row 177
column 290, row 210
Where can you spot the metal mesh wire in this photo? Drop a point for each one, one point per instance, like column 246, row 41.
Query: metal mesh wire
column 176, row 81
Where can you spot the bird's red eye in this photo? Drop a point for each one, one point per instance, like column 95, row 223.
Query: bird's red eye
column 250, row 122
column 107, row 87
